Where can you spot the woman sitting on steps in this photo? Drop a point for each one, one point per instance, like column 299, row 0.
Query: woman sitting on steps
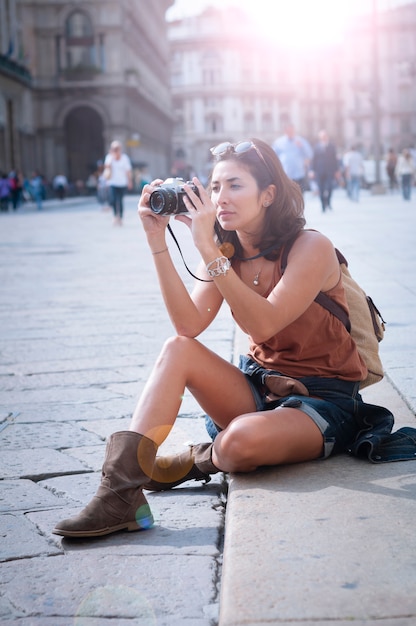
column 295, row 395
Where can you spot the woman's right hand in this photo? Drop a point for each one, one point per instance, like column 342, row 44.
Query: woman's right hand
column 153, row 223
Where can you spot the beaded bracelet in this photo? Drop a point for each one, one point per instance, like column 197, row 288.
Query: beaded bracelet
column 218, row 267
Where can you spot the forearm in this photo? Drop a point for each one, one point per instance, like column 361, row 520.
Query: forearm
column 181, row 309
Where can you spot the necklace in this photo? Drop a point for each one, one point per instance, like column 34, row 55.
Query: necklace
column 256, row 279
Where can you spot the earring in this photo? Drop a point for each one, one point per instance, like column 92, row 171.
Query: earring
column 266, row 204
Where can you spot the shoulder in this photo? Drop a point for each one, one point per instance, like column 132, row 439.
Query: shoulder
column 312, row 261
column 312, row 246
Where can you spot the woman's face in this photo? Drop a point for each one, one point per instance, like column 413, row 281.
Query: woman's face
column 237, row 198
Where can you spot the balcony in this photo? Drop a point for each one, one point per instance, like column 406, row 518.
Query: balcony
column 14, row 70
column 81, row 72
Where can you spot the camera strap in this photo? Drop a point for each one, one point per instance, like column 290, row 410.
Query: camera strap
column 203, row 280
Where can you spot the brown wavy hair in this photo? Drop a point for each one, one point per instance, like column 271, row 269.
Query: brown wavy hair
column 284, row 217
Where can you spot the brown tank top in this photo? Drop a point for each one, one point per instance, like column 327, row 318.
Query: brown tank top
column 316, row 344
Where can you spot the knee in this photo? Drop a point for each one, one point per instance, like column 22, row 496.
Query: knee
column 179, row 349
column 237, row 448
column 178, row 344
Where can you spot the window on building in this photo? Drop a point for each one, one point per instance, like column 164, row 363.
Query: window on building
column 79, row 40
column 211, row 68
column 406, row 97
column 249, row 123
column 214, row 124
column 267, row 123
column 405, row 125
column 179, row 125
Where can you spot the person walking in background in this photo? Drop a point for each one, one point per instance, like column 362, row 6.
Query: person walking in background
column 405, row 171
column 295, row 153
column 37, row 189
column 324, row 168
column 5, row 192
column 354, row 169
column 60, row 186
column 118, row 172
column 391, row 163
column 16, row 183
column 103, row 189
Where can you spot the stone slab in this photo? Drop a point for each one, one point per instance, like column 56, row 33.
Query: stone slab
column 37, row 464
column 53, row 436
column 325, row 541
column 19, row 539
column 100, row 586
column 321, row 543
column 25, row 495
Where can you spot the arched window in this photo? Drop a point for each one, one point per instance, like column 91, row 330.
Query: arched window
column 78, row 25
column 79, row 39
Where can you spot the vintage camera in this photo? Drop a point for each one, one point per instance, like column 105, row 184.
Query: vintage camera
column 168, row 198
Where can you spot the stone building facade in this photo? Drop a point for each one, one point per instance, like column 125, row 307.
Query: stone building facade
column 74, row 74
column 229, row 83
column 16, row 89
column 98, row 71
column 380, row 80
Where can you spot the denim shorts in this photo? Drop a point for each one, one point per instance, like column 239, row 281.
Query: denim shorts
column 332, row 405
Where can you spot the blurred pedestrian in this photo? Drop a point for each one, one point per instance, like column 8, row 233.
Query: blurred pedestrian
column 5, row 192
column 143, row 177
column 37, row 189
column 103, row 189
column 16, row 183
column 324, row 168
column 405, row 171
column 391, row 163
column 60, row 186
column 295, row 154
column 354, row 170
column 118, row 172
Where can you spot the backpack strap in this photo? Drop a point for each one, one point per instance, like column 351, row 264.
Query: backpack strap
column 325, row 301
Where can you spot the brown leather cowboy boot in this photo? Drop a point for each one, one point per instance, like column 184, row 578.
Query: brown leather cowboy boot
column 194, row 464
column 119, row 503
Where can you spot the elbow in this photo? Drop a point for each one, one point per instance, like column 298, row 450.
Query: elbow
column 187, row 331
column 259, row 338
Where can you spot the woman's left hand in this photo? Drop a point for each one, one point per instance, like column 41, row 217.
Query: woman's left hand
column 201, row 214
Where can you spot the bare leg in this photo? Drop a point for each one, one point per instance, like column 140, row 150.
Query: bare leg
column 220, row 388
column 284, row 435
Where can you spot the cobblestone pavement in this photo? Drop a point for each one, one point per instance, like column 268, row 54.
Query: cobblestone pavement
column 81, row 325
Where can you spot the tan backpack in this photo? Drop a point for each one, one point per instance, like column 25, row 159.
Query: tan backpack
column 364, row 322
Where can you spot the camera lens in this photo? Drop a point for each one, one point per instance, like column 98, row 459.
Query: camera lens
column 163, row 201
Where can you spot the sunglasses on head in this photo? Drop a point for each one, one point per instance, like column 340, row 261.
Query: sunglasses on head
column 238, row 148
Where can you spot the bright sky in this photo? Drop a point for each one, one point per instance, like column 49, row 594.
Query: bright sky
column 296, row 22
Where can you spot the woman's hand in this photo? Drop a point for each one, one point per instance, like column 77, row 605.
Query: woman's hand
column 154, row 225
column 202, row 215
